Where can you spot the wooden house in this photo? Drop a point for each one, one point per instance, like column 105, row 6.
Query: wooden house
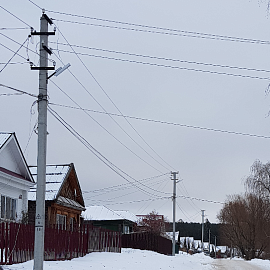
column 63, row 199
column 101, row 216
column 15, row 179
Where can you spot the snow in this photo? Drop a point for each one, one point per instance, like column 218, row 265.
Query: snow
column 55, row 175
column 132, row 259
column 97, row 212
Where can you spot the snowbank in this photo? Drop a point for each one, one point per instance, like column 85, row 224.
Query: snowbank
column 132, row 259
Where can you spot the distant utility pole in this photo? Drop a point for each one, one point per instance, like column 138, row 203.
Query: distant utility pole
column 202, row 227
column 215, row 246
column 174, row 200
column 42, row 140
column 209, row 239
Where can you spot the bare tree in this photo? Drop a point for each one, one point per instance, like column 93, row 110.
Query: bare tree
column 246, row 222
column 258, row 181
column 152, row 222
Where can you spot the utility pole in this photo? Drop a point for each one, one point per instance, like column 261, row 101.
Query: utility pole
column 202, row 228
column 209, row 239
column 215, row 246
column 174, row 200
column 42, row 140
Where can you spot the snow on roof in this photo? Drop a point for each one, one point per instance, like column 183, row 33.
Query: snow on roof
column 97, row 212
column 127, row 215
column 170, row 235
column 4, row 137
column 55, row 175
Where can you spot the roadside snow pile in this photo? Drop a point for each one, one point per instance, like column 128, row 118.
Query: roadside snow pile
column 129, row 259
column 264, row 264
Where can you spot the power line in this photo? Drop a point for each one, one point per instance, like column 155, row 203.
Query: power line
column 117, row 190
column 172, row 67
column 123, row 185
column 16, row 17
column 168, row 123
column 103, row 90
column 160, row 58
column 20, row 91
column 198, row 199
column 181, row 33
column 14, row 28
column 99, row 155
column 8, row 94
column 196, row 34
column 13, row 55
column 104, row 127
column 13, row 63
column 23, row 47
column 138, row 201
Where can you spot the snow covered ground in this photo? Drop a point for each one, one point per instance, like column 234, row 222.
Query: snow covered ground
column 131, row 259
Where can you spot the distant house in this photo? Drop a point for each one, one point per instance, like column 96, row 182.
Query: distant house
column 63, row 199
column 15, row 179
column 104, row 217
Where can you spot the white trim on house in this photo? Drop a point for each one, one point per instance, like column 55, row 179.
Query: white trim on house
column 15, row 178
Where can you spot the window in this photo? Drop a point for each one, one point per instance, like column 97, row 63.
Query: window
column 8, row 208
column 61, row 221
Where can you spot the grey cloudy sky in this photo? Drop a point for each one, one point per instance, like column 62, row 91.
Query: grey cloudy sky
column 211, row 165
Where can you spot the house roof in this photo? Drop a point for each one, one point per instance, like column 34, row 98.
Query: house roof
column 55, row 176
column 98, row 212
column 11, row 150
column 3, row 138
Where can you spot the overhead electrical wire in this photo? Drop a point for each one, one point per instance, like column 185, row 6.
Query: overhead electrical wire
column 16, row 17
column 168, row 123
column 102, row 108
column 14, row 28
column 23, row 47
column 14, row 55
column 198, row 199
column 103, row 90
column 174, row 31
column 123, row 186
column 118, row 190
column 172, row 67
column 107, row 129
column 13, row 63
column 158, row 58
column 138, row 201
column 18, row 90
column 100, row 156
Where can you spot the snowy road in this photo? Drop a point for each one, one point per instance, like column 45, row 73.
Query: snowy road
column 134, row 259
column 221, row 264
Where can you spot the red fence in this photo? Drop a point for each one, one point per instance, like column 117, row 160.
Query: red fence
column 17, row 242
column 147, row 241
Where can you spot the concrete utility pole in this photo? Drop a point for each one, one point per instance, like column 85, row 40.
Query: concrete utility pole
column 202, row 228
column 209, row 240
column 174, row 200
column 42, row 141
column 215, row 246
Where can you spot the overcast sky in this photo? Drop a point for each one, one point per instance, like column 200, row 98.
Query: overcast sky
column 211, row 164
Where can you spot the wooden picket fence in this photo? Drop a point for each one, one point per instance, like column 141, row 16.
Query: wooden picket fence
column 17, row 242
column 147, row 241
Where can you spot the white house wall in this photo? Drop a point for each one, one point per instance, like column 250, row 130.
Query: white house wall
column 8, row 160
column 15, row 193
